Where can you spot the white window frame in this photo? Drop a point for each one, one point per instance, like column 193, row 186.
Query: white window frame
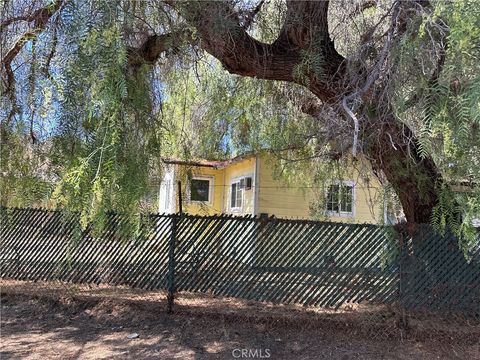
column 342, row 213
column 168, row 184
column 211, row 187
column 166, row 192
column 236, row 180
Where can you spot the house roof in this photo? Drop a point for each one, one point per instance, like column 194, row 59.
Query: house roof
column 209, row 163
column 202, row 163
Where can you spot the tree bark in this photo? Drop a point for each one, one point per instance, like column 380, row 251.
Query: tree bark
column 392, row 148
column 305, row 31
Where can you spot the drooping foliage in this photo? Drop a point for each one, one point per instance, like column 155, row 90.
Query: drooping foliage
column 100, row 129
column 90, row 123
column 444, row 109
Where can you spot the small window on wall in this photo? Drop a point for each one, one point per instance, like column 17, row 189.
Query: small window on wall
column 201, row 189
column 340, row 199
column 236, row 195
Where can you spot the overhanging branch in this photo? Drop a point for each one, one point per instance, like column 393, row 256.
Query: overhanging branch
column 305, row 30
column 40, row 18
column 153, row 47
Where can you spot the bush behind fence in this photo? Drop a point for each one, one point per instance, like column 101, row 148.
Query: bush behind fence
column 278, row 260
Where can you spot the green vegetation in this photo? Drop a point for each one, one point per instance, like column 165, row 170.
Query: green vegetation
column 96, row 93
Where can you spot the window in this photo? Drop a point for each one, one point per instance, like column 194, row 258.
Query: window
column 166, row 203
column 167, row 193
column 340, row 199
column 201, row 189
column 236, row 195
column 238, row 188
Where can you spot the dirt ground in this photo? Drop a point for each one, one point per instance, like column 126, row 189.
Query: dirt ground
column 52, row 321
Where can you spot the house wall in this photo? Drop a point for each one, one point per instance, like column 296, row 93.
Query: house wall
column 274, row 196
column 291, row 201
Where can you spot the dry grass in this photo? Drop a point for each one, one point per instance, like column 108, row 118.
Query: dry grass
column 380, row 320
column 232, row 323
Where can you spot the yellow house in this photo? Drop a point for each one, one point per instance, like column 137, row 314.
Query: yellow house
column 245, row 185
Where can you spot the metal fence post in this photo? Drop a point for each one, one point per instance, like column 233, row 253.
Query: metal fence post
column 171, row 266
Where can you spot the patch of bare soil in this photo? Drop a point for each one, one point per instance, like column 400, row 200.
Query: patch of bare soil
column 55, row 321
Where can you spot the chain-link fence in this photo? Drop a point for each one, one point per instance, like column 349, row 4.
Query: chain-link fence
column 320, row 264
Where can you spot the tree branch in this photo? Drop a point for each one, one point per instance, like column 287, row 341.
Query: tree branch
column 40, row 18
column 305, row 30
column 442, row 55
column 37, row 16
column 362, row 6
column 250, row 15
column 372, row 77
column 151, row 49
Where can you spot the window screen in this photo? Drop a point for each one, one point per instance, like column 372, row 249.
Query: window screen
column 236, row 196
column 199, row 190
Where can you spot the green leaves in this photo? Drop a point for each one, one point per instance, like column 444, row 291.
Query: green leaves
column 110, row 125
column 106, row 111
column 312, row 65
column 439, row 99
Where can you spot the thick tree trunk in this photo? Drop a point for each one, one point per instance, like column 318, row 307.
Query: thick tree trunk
column 392, row 148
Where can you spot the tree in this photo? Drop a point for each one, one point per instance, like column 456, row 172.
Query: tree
column 386, row 86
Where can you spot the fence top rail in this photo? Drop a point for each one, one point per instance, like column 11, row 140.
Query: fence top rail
column 246, row 217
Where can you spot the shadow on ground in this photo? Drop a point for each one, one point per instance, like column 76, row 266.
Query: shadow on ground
column 37, row 324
